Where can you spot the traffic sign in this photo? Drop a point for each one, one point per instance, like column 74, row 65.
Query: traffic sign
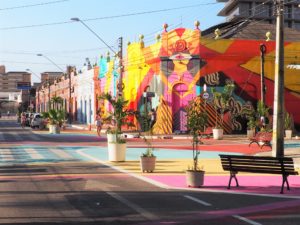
column 205, row 95
column 23, row 85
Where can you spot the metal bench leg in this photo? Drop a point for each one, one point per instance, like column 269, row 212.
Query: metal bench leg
column 232, row 175
column 284, row 180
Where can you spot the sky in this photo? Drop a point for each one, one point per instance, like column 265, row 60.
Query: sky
column 31, row 27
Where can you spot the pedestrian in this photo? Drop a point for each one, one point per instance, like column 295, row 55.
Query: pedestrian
column 99, row 124
column 8, row 113
column 152, row 117
column 23, row 120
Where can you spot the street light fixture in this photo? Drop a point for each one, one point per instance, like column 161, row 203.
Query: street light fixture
column 75, row 19
column 51, row 61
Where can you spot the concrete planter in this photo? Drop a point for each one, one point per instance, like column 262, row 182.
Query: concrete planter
column 147, row 163
column 116, row 152
column 54, row 129
column 194, row 178
column 288, row 134
column 250, row 133
column 218, row 133
column 111, row 138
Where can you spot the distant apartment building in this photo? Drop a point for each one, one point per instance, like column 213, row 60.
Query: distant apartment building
column 9, row 80
column 261, row 10
column 10, row 88
column 51, row 76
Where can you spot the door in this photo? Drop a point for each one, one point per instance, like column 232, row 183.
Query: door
column 179, row 102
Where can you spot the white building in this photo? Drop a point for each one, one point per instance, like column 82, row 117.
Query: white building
column 85, row 96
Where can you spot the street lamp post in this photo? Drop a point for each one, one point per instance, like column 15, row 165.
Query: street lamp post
column 262, row 77
column 51, row 61
column 119, row 54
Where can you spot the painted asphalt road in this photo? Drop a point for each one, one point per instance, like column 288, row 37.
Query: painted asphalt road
column 75, row 191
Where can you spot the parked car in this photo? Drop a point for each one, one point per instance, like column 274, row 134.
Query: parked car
column 37, row 121
column 29, row 117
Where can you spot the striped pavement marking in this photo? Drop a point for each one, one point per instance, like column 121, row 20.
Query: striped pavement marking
column 1, row 137
column 6, row 154
column 61, row 153
column 33, row 153
column 35, row 137
column 16, row 136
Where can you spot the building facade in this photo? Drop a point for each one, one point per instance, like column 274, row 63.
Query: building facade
column 166, row 75
column 14, row 89
column 255, row 10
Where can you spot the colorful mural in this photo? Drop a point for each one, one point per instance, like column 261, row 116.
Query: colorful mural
column 168, row 74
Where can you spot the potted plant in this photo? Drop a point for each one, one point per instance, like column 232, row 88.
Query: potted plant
column 55, row 118
column 221, row 104
column 117, row 146
column 148, row 159
column 196, row 122
column 251, row 126
column 288, row 125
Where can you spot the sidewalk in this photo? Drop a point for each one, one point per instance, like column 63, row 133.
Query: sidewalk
column 174, row 156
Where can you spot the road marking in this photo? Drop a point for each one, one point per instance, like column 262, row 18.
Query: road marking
column 34, row 137
column 61, row 153
column 33, row 153
column 132, row 205
column 17, row 137
column 197, row 200
column 246, row 220
column 6, row 154
column 1, row 137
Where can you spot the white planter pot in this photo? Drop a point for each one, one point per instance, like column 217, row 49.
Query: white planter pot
column 194, row 178
column 250, row 133
column 147, row 163
column 218, row 134
column 111, row 138
column 116, row 152
column 288, row 134
column 54, row 129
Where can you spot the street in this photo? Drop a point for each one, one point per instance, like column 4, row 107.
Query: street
column 44, row 182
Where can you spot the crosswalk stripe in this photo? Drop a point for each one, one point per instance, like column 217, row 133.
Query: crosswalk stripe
column 1, row 137
column 6, row 154
column 33, row 153
column 61, row 153
column 17, row 137
column 34, row 137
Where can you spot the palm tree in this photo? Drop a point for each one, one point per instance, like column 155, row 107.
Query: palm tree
column 57, row 102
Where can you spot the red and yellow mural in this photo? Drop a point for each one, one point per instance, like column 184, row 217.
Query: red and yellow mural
column 168, row 74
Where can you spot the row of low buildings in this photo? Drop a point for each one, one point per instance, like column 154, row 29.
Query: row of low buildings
column 169, row 73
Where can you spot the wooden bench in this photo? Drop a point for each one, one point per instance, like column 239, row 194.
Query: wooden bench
column 258, row 164
column 262, row 139
column 207, row 132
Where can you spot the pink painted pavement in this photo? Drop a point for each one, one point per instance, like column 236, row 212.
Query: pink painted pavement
column 248, row 184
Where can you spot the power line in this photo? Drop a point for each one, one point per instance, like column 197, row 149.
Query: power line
column 33, row 5
column 108, row 17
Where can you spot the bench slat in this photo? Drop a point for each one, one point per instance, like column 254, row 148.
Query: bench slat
column 259, row 164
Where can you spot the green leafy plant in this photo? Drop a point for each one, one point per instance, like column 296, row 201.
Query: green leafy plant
column 288, row 121
column 252, row 123
column 118, row 115
column 221, row 102
column 55, row 117
column 262, row 110
column 196, row 122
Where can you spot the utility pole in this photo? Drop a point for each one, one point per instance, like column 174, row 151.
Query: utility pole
column 49, row 97
column 69, row 70
column 278, row 117
column 262, row 77
column 120, row 54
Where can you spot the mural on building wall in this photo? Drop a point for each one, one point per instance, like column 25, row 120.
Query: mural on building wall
column 169, row 73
